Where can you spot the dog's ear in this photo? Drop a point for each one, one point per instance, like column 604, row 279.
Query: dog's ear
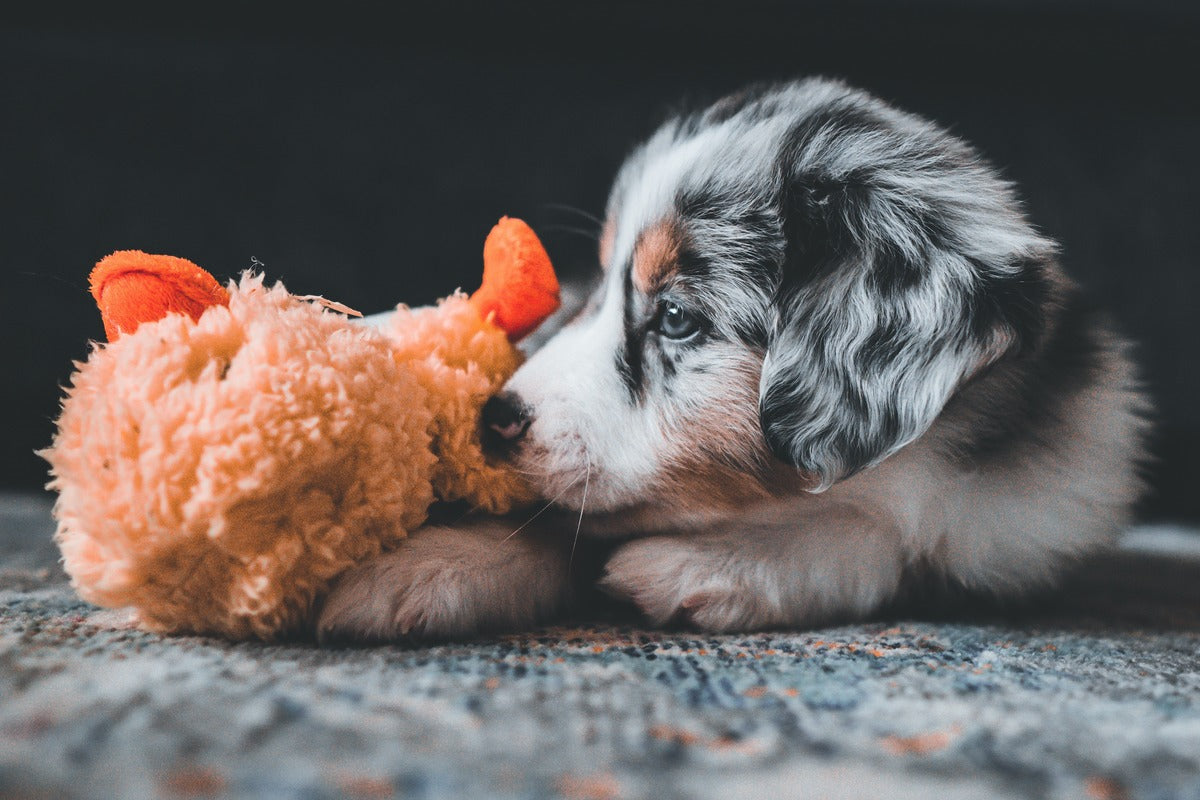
column 882, row 314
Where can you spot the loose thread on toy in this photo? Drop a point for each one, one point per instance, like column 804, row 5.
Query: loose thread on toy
column 332, row 305
column 542, row 511
column 579, row 524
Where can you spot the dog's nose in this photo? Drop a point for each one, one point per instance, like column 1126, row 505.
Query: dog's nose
column 505, row 419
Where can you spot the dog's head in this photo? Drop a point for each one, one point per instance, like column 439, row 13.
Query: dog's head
column 796, row 281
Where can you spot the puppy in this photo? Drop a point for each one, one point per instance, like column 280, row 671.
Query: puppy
column 828, row 357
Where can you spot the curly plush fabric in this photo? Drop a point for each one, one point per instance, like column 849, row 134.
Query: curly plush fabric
column 217, row 474
column 461, row 360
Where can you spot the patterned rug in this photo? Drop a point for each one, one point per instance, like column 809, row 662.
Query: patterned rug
column 1091, row 693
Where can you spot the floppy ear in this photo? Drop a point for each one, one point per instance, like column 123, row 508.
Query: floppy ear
column 879, row 320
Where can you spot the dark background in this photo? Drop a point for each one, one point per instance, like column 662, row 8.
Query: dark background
column 364, row 157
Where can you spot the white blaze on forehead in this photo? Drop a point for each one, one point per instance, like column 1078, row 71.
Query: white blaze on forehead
column 721, row 159
column 652, row 196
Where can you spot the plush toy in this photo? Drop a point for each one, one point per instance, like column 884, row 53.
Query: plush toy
column 231, row 450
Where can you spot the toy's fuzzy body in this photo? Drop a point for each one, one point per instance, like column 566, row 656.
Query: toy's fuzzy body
column 217, row 474
column 461, row 360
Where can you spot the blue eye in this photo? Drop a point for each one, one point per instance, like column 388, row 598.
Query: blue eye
column 676, row 322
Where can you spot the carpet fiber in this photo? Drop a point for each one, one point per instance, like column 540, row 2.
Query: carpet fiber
column 1091, row 693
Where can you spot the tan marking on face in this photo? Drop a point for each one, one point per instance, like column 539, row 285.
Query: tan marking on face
column 724, row 464
column 656, row 255
column 713, row 487
column 700, row 478
column 608, row 235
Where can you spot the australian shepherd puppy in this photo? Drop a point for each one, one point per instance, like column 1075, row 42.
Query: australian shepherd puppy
column 828, row 356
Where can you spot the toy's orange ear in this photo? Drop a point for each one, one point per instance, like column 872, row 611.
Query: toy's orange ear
column 132, row 287
column 519, row 286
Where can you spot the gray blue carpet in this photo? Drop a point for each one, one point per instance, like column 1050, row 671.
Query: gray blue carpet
column 1091, row 693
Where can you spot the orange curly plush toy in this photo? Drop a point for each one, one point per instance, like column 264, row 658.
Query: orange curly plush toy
column 230, row 452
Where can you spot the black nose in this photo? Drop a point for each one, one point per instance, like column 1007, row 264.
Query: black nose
column 505, row 420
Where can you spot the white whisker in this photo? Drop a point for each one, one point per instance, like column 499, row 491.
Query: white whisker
column 587, row 234
column 576, row 210
column 544, row 509
column 578, row 525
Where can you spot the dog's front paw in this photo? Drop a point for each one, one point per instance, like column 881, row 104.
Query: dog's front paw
column 444, row 583
column 682, row 582
column 393, row 597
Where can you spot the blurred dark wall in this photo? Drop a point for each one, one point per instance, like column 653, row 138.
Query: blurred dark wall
column 364, row 158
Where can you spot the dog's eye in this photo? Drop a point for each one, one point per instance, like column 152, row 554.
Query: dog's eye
column 676, row 322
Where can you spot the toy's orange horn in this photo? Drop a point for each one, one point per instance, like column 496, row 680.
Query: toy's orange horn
column 519, row 286
column 132, row 287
